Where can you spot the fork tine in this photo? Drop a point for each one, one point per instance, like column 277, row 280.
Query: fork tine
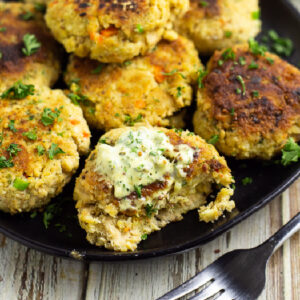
column 211, row 290
column 188, row 286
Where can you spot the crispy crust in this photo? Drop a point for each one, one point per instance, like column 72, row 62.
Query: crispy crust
column 112, row 31
column 268, row 111
column 137, row 88
column 100, row 213
column 42, row 67
column 219, row 24
column 46, row 176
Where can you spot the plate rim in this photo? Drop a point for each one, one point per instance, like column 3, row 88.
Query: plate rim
column 173, row 250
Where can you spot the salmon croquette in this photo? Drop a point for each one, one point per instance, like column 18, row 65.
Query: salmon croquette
column 249, row 103
column 218, row 24
column 112, row 31
column 27, row 50
column 139, row 179
column 41, row 136
column 146, row 89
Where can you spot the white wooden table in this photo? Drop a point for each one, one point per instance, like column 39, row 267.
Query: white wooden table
column 28, row 274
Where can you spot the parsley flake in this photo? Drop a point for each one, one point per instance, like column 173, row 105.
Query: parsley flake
column 290, row 152
column 201, row 74
column 247, row 180
column 150, row 210
column 54, row 150
column 40, row 150
column 49, row 116
column 32, row 45
column 20, row 184
column 11, row 126
column 5, row 163
column 13, row 149
column 31, row 135
column 18, row 91
column 213, row 140
column 242, row 82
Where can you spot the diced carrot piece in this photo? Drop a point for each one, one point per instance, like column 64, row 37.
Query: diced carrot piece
column 86, row 134
column 158, row 74
column 140, row 103
column 74, row 122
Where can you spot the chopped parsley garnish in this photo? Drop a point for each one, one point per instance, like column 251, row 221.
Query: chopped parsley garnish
column 201, row 74
column 11, row 126
column 242, row 82
column 232, row 112
column 78, row 98
column 20, row 184
column 40, row 7
column 228, row 34
column 290, row 152
column 98, row 69
column 54, row 150
column 247, row 180
column 2, row 29
column 49, row 116
column 242, row 60
column 13, row 149
column 255, row 94
column 270, row 60
column 50, row 212
column 255, row 15
column 40, row 150
column 253, row 65
column 256, row 48
column 127, row 63
column 144, row 236
column 238, row 91
column 31, row 135
column 213, row 140
column 27, row 16
column 139, row 28
column 138, row 190
column 130, row 121
column 32, row 45
column 5, row 163
column 175, row 71
column 281, row 46
column 18, row 91
column 228, row 54
column 204, row 3
column 150, row 210
column 102, row 141
column 220, row 62
column 179, row 91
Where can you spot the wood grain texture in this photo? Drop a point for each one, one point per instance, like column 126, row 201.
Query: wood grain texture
column 26, row 274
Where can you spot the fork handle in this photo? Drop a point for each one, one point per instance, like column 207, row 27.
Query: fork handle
column 284, row 233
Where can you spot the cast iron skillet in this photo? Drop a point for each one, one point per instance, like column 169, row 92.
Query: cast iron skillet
column 269, row 180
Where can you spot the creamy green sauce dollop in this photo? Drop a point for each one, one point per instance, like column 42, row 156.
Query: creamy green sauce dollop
column 141, row 157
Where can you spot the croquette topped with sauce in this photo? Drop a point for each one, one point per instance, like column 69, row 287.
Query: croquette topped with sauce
column 250, row 101
column 218, row 24
column 41, row 136
column 112, row 31
column 27, row 50
column 139, row 179
column 146, row 89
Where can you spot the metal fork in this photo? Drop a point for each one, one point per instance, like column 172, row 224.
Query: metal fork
column 239, row 274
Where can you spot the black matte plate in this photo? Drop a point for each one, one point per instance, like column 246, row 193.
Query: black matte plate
column 268, row 181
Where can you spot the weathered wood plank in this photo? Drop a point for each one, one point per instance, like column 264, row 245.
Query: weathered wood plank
column 150, row 279
column 28, row 274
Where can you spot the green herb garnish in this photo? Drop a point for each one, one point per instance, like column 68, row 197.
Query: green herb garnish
column 20, row 184
column 49, row 116
column 247, row 180
column 150, row 210
column 290, row 152
column 32, row 45
column 18, row 91
column 31, row 135
column 201, row 74
column 213, row 140
column 40, row 150
column 242, row 82
column 11, row 126
column 13, row 149
column 54, row 150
